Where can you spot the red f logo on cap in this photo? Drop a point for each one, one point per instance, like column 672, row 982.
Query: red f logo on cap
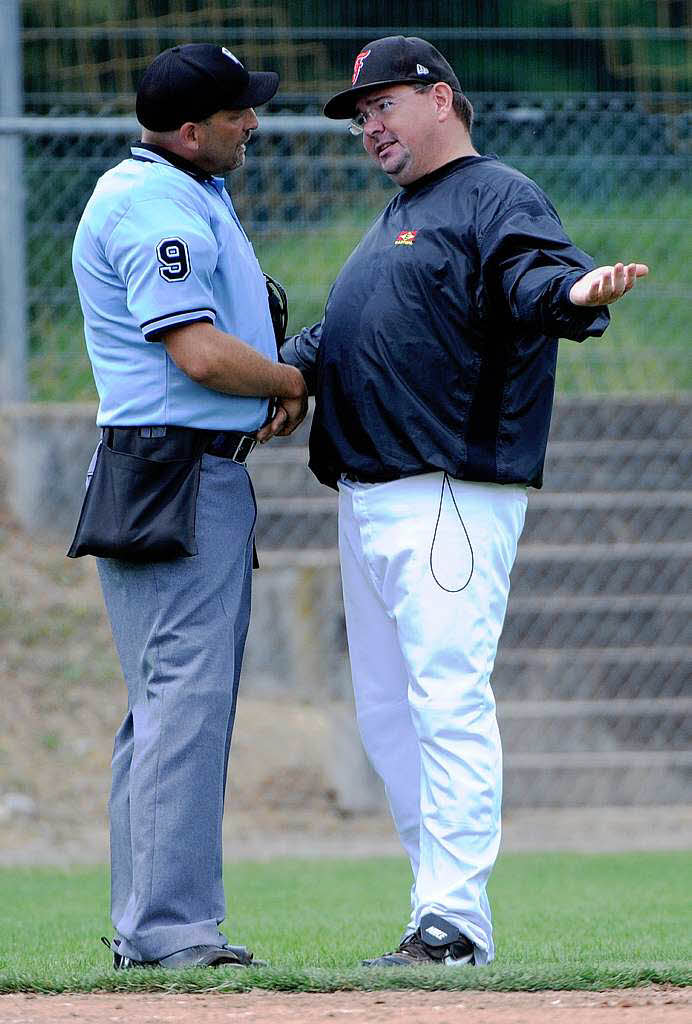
column 358, row 66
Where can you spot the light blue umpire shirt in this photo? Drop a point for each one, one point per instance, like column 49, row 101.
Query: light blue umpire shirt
column 159, row 244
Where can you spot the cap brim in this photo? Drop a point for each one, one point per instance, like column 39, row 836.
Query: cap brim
column 260, row 89
column 343, row 105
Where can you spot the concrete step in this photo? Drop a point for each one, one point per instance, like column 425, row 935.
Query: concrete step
column 598, row 621
column 591, row 673
column 619, row 465
column 616, row 778
column 589, row 418
column 607, row 517
column 618, row 569
column 598, row 726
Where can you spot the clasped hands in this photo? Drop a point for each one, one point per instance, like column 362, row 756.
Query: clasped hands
column 289, row 410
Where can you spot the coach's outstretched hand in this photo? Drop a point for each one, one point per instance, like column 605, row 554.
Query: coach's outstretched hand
column 606, row 284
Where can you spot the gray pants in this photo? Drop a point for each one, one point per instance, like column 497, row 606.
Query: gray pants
column 179, row 629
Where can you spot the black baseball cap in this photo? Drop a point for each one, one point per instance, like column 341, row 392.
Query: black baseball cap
column 391, row 61
column 192, row 82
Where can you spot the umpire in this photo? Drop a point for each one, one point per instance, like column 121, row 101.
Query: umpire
column 434, row 371
column 182, row 346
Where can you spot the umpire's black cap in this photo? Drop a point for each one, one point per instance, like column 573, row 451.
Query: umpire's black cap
column 392, row 60
column 192, row 82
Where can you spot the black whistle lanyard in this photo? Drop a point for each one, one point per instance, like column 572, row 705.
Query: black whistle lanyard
column 450, row 590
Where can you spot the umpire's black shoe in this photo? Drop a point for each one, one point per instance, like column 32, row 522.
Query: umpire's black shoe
column 435, row 941
column 193, row 956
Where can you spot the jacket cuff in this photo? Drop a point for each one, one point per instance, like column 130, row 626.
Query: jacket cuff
column 576, row 322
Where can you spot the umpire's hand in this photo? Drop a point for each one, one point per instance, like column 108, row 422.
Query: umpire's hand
column 289, row 412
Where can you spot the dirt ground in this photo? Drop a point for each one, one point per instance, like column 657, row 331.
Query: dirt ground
column 649, row 1005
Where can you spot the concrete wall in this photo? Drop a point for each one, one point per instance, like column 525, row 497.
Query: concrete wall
column 44, row 455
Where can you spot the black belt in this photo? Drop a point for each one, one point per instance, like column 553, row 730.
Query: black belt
column 154, row 442
column 231, row 444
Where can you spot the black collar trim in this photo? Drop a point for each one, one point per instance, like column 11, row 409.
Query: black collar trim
column 172, row 158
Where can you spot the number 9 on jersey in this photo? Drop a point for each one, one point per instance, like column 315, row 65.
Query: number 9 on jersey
column 174, row 259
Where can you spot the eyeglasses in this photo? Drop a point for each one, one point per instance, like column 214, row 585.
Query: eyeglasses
column 378, row 111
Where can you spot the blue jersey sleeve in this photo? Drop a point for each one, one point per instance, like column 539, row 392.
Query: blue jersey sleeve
column 165, row 253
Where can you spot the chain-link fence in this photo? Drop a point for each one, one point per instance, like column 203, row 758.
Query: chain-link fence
column 616, row 169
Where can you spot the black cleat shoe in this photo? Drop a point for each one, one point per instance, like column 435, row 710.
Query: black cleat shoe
column 124, row 963
column 434, row 942
column 193, row 956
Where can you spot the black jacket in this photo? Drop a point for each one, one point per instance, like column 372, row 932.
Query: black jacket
column 439, row 341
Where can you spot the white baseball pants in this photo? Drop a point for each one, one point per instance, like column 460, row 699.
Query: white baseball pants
column 425, row 565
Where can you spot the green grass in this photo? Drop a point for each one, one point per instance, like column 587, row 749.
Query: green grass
column 562, row 921
column 646, row 346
